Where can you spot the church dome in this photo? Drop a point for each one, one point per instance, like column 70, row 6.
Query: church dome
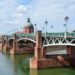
column 29, row 26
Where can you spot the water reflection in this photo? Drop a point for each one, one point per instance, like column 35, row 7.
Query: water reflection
column 19, row 65
column 33, row 72
column 5, row 65
column 52, row 71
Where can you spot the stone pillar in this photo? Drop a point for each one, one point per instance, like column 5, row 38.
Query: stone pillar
column 2, row 43
column 38, row 53
column 38, row 61
column 6, row 49
column 13, row 50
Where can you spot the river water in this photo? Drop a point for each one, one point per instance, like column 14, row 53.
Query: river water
column 18, row 65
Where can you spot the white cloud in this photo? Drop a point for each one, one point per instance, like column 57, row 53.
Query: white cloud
column 18, row 12
column 21, row 8
column 52, row 10
column 12, row 12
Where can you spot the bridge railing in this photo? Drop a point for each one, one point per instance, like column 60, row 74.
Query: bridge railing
column 26, row 36
column 31, row 35
column 20, row 36
column 62, row 34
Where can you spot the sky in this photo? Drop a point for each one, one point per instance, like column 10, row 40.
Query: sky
column 14, row 14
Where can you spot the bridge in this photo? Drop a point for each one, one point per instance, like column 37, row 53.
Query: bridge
column 48, row 40
column 43, row 42
column 40, row 44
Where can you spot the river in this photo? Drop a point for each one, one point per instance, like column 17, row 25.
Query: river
column 18, row 65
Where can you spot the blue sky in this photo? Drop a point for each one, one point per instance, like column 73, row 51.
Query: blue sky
column 14, row 14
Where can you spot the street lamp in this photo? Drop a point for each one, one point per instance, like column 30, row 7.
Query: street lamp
column 43, row 29
column 66, row 20
column 46, row 22
column 35, row 29
column 52, row 26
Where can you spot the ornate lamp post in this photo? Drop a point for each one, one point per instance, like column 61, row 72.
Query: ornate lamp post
column 43, row 29
column 52, row 26
column 66, row 20
column 35, row 29
column 46, row 22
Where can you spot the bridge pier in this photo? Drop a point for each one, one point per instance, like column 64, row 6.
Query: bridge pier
column 13, row 50
column 6, row 48
column 2, row 44
column 38, row 52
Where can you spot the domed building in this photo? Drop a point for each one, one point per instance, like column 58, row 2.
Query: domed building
column 28, row 28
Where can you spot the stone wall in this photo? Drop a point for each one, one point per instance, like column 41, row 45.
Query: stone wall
column 45, row 63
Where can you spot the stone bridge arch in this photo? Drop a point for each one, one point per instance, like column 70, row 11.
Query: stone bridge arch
column 27, row 39
column 10, row 41
column 25, row 45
